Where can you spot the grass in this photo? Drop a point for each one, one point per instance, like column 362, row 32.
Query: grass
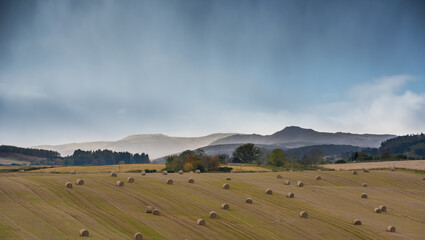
column 38, row 206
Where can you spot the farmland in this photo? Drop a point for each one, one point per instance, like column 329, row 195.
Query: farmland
column 39, row 206
column 411, row 164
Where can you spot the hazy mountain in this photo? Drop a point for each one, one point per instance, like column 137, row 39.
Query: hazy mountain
column 298, row 137
column 156, row 145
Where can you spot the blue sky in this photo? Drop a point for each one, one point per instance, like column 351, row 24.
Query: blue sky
column 75, row 71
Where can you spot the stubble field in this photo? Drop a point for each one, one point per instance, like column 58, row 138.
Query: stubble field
column 39, row 206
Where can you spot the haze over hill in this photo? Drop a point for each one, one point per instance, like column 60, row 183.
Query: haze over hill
column 159, row 145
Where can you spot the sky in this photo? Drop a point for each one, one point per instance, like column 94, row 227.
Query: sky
column 74, row 71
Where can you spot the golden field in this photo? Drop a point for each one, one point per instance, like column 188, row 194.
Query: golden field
column 39, row 206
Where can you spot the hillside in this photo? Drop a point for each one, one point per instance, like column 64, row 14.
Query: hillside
column 156, row 145
column 39, row 206
column 300, row 137
column 409, row 145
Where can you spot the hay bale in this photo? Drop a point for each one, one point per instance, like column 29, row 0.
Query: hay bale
column 143, row 173
column 269, row 191
column 226, row 186
column 84, row 233
column 290, row 195
column 72, row 172
column 228, row 179
column 364, row 185
column 180, row 172
column 279, row 176
column 113, row 174
column 318, row 178
column 22, row 171
column 120, row 184
column 354, row 172
column 390, row 229
column 303, row 214
column 364, row 195
column 148, row 209
column 130, row 180
column 248, row 200
column 79, row 182
column 68, row 185
column 170, row 181
column 366, row 170
column 357, row 222
column 191, row 172
column 300, row 184
column 191, row 180
column 259, row 170
column 164, row 173
column 52, row 171
column 201, row 222
column 383, row 208
column 233, row 171
column 155, row 212
column 286, row 182
column 392, row 169
column 225, row 206
column 377, row 210
column 213, row 214
column 423, row 178
column 198, row 171
column 138, row 236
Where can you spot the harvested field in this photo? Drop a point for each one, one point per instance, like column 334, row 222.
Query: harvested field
column 411, row 164
column 39, row 206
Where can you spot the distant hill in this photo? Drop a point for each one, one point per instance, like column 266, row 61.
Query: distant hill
column 299, row 137
column 410, row 145
column 327, row 149
column 156, row 145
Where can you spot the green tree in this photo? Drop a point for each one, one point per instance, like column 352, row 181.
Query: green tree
column 247, row 153
column 276, row 158
column 313, row 157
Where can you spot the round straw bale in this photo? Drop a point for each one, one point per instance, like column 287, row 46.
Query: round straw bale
column 213, row 214
column 138, row 236
column 191, row 180
column 84, row 233
column 279, row 176
column 22, row 171
column 201, row 222
column 364, row 195
column 198, row 171
column 269, row 191
column 228, row 179
column 170, row 181
column 68, row 185
column 392, row 169
column 423, row 178
column 300, row 184
column 72, row 172
column 383, row 208
column 143, row 173
column 303, row 214
column 318, row 178
column 120, row 184
column 79, row 182
column 364, row 185
column 130, row 180
column 354, row 172
column 233, row 171
column 226, row 186
column 164, row 173
column 155, row 212
column 113, row 174
column 290, row 195
column 191, row 172
column 149, row 209
column 357, row 222
column 366, row 170
column 248, row 200
column 390, row 229
column 225, row 206
column 286, row 182
column 52, row 171
column 180, row 171
column 259, row 170
column 377, row 210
